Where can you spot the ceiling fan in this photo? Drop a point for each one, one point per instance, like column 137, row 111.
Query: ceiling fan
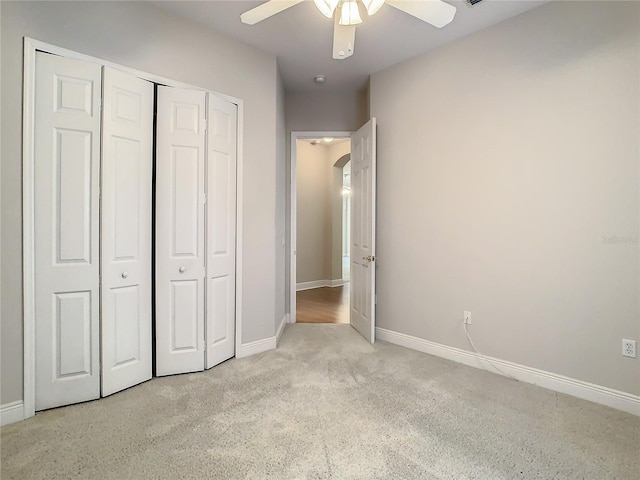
column 346, row 15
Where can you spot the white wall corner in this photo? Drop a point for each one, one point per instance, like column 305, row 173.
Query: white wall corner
column 609, row 397
column 11, row 413
column 259, row 346
column 286, row 319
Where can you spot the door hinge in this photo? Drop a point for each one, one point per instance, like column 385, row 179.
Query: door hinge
column 204, row 198
column 375, row 301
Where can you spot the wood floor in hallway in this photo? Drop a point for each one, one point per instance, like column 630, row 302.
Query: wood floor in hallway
column 323, row 305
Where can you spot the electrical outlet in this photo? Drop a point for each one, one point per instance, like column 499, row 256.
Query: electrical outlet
column 467, row 318
column 628, row 348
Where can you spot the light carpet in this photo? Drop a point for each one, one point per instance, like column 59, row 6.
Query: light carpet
column 328, row 405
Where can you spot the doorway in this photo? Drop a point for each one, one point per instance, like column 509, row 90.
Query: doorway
column 362, row 244
column 320, row 199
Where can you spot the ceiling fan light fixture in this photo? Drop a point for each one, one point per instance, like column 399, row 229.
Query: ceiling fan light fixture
column 326, row 7
column 350, row 14
column 373, row 6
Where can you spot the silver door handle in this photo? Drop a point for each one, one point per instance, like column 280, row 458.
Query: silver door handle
column 369, row 258
column 182, row 269
column 125, row 274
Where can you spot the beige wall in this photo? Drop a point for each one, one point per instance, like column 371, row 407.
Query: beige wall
column 138, row 35
column 507, row 163
column 326, row 111
column 313, row 211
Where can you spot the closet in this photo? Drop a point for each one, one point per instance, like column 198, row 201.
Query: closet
column 67, row 233
column 195, row 230
column 126, row 215
column 94, row 211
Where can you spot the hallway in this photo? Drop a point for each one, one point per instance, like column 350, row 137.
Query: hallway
column 323, row 305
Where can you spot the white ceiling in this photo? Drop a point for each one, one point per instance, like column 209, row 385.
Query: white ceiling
column 302, row 38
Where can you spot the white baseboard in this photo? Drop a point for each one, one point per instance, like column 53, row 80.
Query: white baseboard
column 259, row 346
column 11, row 413
column 310, row 285
column 280, row 331
column 595, row 393
column 320, row 283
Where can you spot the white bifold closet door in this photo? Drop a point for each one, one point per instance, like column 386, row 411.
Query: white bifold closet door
column 127, row 162
column 180, row 230
column 92, row 264
column 195, row 230
column 67, row 255
column 221, row 229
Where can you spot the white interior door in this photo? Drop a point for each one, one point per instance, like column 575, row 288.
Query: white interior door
column 221, row 229
column 67, row 257
column 180, row 223
column 127, row 136
column 363, row 230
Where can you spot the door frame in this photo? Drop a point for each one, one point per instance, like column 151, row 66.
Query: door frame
column 295, row 136
column 28, row 199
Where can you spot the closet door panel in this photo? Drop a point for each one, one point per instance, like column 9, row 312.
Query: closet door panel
column 127, row 139
column 66, row 175
column 221, row 229
column 180, row 234
column 185, row 295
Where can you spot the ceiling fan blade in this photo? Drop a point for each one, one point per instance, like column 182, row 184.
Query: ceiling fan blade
column 266, row 10
column 435, row 12
column 344, row 39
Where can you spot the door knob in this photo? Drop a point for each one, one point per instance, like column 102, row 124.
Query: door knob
column 369, row 258
column 182, row 269
column 125, row 274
